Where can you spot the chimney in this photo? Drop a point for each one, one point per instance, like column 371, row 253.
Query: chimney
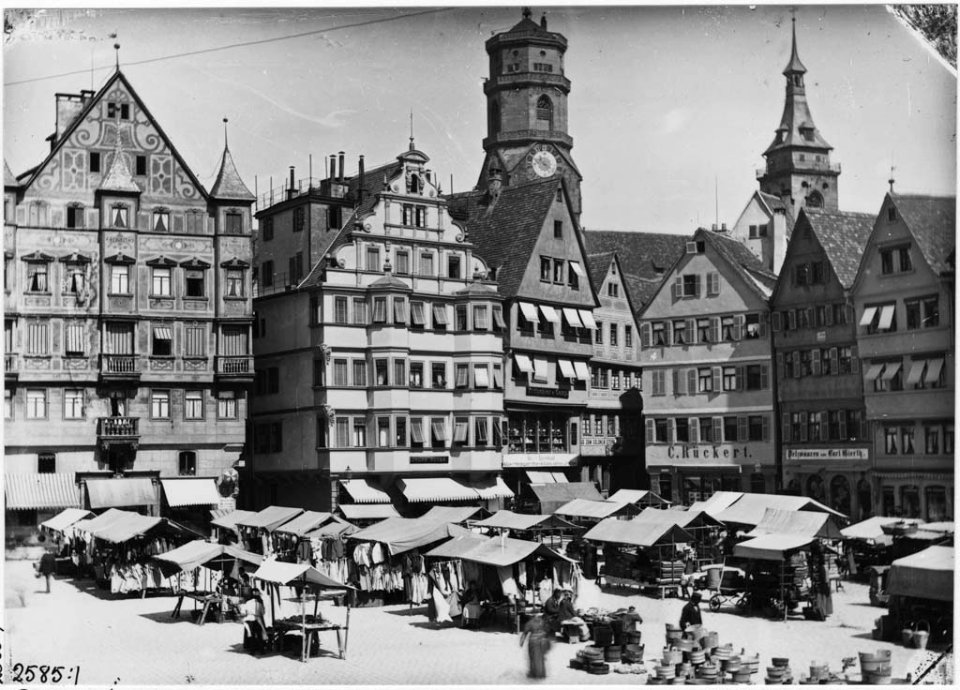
column 360, row 186
column 723, row 227
column 292, row 189
column 713, row 227
column 341, row 167
column 333, row 166
column 543, row 21
column 69, row 106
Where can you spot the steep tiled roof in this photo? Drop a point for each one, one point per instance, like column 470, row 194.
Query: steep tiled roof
column 599, row 265
column 933, row 222
column 843, row 235
column 640, row 253
column 774, row 202
column 8, row 179
column 228, row 184
column 505, row 232
column 742, row 260
column 642, row 290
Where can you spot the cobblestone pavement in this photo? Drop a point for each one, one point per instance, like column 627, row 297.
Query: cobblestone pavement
column 129, row 641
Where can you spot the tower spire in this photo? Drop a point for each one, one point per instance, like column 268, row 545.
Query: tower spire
column 794, row 66
column 412, row 147
column 116, row 48
column 225, row 144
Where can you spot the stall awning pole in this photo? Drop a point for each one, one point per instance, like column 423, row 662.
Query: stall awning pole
column 346, row 633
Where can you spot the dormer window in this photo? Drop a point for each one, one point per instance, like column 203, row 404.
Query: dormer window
column 414, row 184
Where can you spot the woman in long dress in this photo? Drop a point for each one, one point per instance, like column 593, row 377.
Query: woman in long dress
column 538, row 644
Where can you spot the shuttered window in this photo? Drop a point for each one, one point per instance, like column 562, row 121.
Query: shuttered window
column 196, row 341
column 234, row 341
column 120, row 338
column 37, row 338
column 74, row 339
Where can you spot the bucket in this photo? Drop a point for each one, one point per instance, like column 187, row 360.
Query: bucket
column 906, row 636
column 697, row 656
column 612, row 653
column 603, row 635
column 633, row 637
column 741, row 676
column 920, row 638
column 780, row 661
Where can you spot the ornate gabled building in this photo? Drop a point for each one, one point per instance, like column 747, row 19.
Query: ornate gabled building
column 127, row 315
column 405, row 343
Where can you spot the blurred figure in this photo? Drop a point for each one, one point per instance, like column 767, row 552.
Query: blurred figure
column 538, row 644
column 691, row 612
column 47, row 566
column 254, row 626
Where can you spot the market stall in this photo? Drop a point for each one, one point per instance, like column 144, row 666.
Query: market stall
column 778, row 574
column 546, row 498
column 286, row 541
column 586, row 512
column 701, row 525
column 534, row 527
column 225, row 529
column 59, row 523
column 921, row 595
column 255, row 529
column 747, row 511
column 513, row 577
column 303, row 578
column 640, row 498
column 641, row 554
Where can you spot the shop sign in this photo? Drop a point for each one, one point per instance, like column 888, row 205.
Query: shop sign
column 797, row 454
column 705, row 452
column 547, row 392
column 539, row 460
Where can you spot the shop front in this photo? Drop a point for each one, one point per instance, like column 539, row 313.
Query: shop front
column 837, row 477
column 926, row 495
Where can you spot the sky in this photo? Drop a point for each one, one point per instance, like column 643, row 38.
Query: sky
column 670, row 107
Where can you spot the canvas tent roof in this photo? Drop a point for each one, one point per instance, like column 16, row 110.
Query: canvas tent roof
column 872, row 528
column 452, row 514
column 332, row 529
column 127, row 527
column 305, row 522
column 199, row 552
column 595, row 510
column 637, row 533
column 719, row 501
column 230, row 520
column 404, row 534
column 638, row 496
column 552, row 496
column 295, row 573
column 688, row 519
column 803, row 523
column 457, row 547
column 111, row 515
column 270, row 517
column 65, row 519
column 495, row 551
column 771, row 547
column 927, row 574
column 749, row 509
column 507, row 519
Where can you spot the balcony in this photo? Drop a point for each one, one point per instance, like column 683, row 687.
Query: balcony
column 11, row 366
column 120, row 367
column 114, row 431
column 524, row 135
column 235, row 368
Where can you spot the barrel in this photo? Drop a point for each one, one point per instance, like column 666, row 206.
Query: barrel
column 633, row 637
column 612, row 653
column 603, row 636
column 741, row 676
column 667, row 671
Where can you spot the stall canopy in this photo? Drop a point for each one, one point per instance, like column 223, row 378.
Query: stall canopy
column 100, row 521
column 68, row 517
column 803, row 523
column 127, row 527
column 688, row 519
column 637, row 533
column 927, row 574
column 374, row 511
column 749, row 509
column 639, row 497
column 932, row 531
column 495, row 551
column 871, row 529
column 270, row 517
column 552, row 496
column 507, row 519
column 403, row 534
column 307, row 521
column 333, row 529
column 40, row 491
column 196, row 553
column 280, row 573
column 115, row 493
column 190, row 492
column 452, row 514
column 362, row 491
column 230, row 520
column 718, row 502
column 593, row 510
column 771, row 547
column 546, row 477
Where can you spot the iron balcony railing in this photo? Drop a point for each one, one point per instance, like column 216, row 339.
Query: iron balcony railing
column 120, row 364
column 238, row 365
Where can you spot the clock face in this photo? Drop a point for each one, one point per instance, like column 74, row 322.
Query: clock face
column 544, row 163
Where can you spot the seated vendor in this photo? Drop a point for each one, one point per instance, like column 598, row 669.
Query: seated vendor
column 470, row 601
column 568, row 615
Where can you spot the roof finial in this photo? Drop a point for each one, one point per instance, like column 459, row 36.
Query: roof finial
column 116, row 48
column 527, row 12
column 891, row 180
column 412, row 147
column 225, row 144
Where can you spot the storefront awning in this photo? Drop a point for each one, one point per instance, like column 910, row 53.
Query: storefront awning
column 492, row 489
column 573, row 318
column 362, row 491
column 190, row 492
column 927, row 574
column 523, row 363
column 583, row 372
column 38, row 491
column 114, row 493
column 546, row 477
column 427, row 489
column 771, row 547
column 566, row 369
column 68, row 517
column 550, row 314
column 529, row 312
column 368, row 511
column 270, row 517
column 587, row 318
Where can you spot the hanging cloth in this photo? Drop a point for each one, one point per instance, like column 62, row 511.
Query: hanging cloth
column 507, row 583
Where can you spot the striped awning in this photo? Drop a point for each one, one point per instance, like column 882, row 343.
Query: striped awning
column 162, row 333
column 40, row 491
column 361, row 491
column 492, row 489
column 426, row 489
column 587, row 318
column 114, row 493
column 190, row 492
column 374, row 511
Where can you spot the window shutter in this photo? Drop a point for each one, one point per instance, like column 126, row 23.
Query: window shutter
column 717, row 379
column 667, row 334
column 764, row 324
column 677, row 383
column 738, row 324
column 834, row 361
column 692, row 381
column 699, row 285
column 803, row 426
column 718, row 429
column 791, row 320
column 672, row 430
column 645, row 335
column 828, row 315
column 691, row 331
column 780, row 372
column 677, row 288
column 765, row 377
column 651, row 431
column 766, row 428
column 776, row 322
column 742, row 432
column 796, row 364
column 854, row 361
column 850, row 312
column 843, row 425
column 741, row 374
column 824, row 427
column 694, row 425
column 716, row 283
column 714, row 329
column 817, row 370
column 785, row 426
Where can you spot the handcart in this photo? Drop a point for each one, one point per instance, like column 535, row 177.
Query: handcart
column 726, row 584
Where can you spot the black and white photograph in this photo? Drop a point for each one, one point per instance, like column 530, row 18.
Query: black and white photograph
column 495, row 345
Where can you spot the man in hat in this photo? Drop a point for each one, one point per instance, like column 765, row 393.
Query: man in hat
column 551, row 611
column 691, row 612
column 568, row 615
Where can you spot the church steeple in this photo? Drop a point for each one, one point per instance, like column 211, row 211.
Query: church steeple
column 798, row 166
column 229, row 185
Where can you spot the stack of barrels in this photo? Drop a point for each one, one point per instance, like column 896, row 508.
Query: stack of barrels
column 611, row 645
column 697, row 658
column 779, row 673
column 875, row 668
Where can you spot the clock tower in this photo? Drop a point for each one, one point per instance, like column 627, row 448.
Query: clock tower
column 527, row 109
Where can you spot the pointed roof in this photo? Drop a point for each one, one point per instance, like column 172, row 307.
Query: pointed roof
column 794, row 66
column 8, row 179
column 228, row 184
column 647, row 255
column 599, row 265
column 843, row 235
column 118, row 177
column 932, row 221
column 757, row 276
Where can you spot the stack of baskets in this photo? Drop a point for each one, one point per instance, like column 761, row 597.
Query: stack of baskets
column 875, row 668
column 696, row 658
column 591, row 660
column 779, row 673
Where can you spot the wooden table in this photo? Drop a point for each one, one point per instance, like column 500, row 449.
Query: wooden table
column 208, row 600
column 308, row 630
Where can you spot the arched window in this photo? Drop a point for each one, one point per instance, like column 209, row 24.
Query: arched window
column 815, row 200
column 544, row 113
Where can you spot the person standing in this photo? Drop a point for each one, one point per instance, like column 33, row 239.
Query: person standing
column 690, row 615
column 47, row 567
column 536, row 635
column 254, row 627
